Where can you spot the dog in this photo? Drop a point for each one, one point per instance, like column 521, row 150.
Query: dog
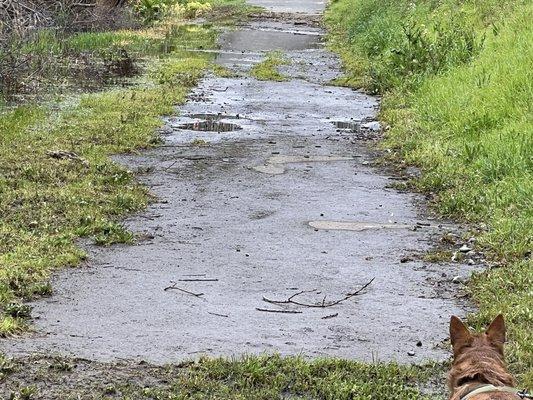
column 478, row 370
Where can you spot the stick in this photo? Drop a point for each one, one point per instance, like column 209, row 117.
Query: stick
column 323, row 303
column 173, row 286
column 218, row 315
column 171, row 165
column 279, row 311
column 199, row 280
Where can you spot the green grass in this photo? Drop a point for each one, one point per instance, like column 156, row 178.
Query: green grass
column 253, row 377
column 268, row 69
column 274, row 377
column 46, row 202
column 457, row 83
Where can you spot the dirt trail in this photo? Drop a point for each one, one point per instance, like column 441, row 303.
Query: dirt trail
column 286, row 203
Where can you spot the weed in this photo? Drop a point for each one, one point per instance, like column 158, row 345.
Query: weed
column 11, row 326
column 223, row 72
column 267, row 70
column 17, row 310
column 7, row 366
column 438, row 256
column 25, row 393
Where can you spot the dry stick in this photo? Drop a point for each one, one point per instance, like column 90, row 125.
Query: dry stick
column 173, row 286
column 198, row 280
column 323, row 304
column 279, row 311
column 171, row 165
column 218, row 315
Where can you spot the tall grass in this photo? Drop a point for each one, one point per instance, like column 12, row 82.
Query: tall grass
column 457, row 80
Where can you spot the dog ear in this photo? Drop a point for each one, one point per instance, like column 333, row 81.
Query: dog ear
column 496, row 330
column 459, row 333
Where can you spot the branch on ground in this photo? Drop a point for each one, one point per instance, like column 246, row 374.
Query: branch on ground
column 323, row 303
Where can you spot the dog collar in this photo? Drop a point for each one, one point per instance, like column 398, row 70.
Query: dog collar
column 490, row 388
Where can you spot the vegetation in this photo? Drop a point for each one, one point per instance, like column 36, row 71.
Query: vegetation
column 268, row 69
column 57, row 182
column 457, row 82
column 253, row 377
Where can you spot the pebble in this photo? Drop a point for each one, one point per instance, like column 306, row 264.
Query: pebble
column 411, row 353
column 373, row 126
column 465, row 249
column 457, row 279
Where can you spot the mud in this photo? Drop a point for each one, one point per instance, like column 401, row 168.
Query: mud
column 355, row 226
column 235, row 234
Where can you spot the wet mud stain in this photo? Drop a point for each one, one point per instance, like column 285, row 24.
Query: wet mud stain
column 355, row 226
column 275, row 164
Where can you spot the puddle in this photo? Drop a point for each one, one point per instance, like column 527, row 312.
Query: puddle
column 360, row 131
column 355, row 226
column 212, row 116
column 293, row 6
column 274, row 165
column 261, row 40
column 347, row 126
column 210, row 126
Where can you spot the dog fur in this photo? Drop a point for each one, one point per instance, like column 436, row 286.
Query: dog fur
column 479, row 359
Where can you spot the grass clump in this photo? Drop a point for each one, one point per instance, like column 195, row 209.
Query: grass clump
column 457, row 85
column 57, row 182
column 268, row 69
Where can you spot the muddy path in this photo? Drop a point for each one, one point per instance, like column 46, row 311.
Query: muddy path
column 281, row 197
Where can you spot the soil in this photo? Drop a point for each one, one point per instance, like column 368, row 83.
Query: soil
column 286, row 203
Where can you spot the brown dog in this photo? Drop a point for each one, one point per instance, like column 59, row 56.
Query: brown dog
column 478, row 370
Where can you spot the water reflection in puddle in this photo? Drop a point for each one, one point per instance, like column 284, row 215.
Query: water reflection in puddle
column 210, row 126
column 347, row 126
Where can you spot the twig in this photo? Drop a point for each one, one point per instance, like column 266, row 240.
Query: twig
column 279, row 311
column 330, row 316
column 171, row 165
column 323, row 303
column 198, row 280
column 218, row 315
column 173, row 286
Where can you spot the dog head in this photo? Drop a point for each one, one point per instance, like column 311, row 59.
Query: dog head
column 492, row 340
column 478, row 357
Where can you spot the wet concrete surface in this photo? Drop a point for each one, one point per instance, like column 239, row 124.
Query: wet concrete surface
column 226, row 231
column 292, row 6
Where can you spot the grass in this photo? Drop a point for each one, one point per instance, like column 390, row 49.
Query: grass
column 47, row 202
column 268, row 69
column 457, row 85
column 252, row 377
column 275, row 377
